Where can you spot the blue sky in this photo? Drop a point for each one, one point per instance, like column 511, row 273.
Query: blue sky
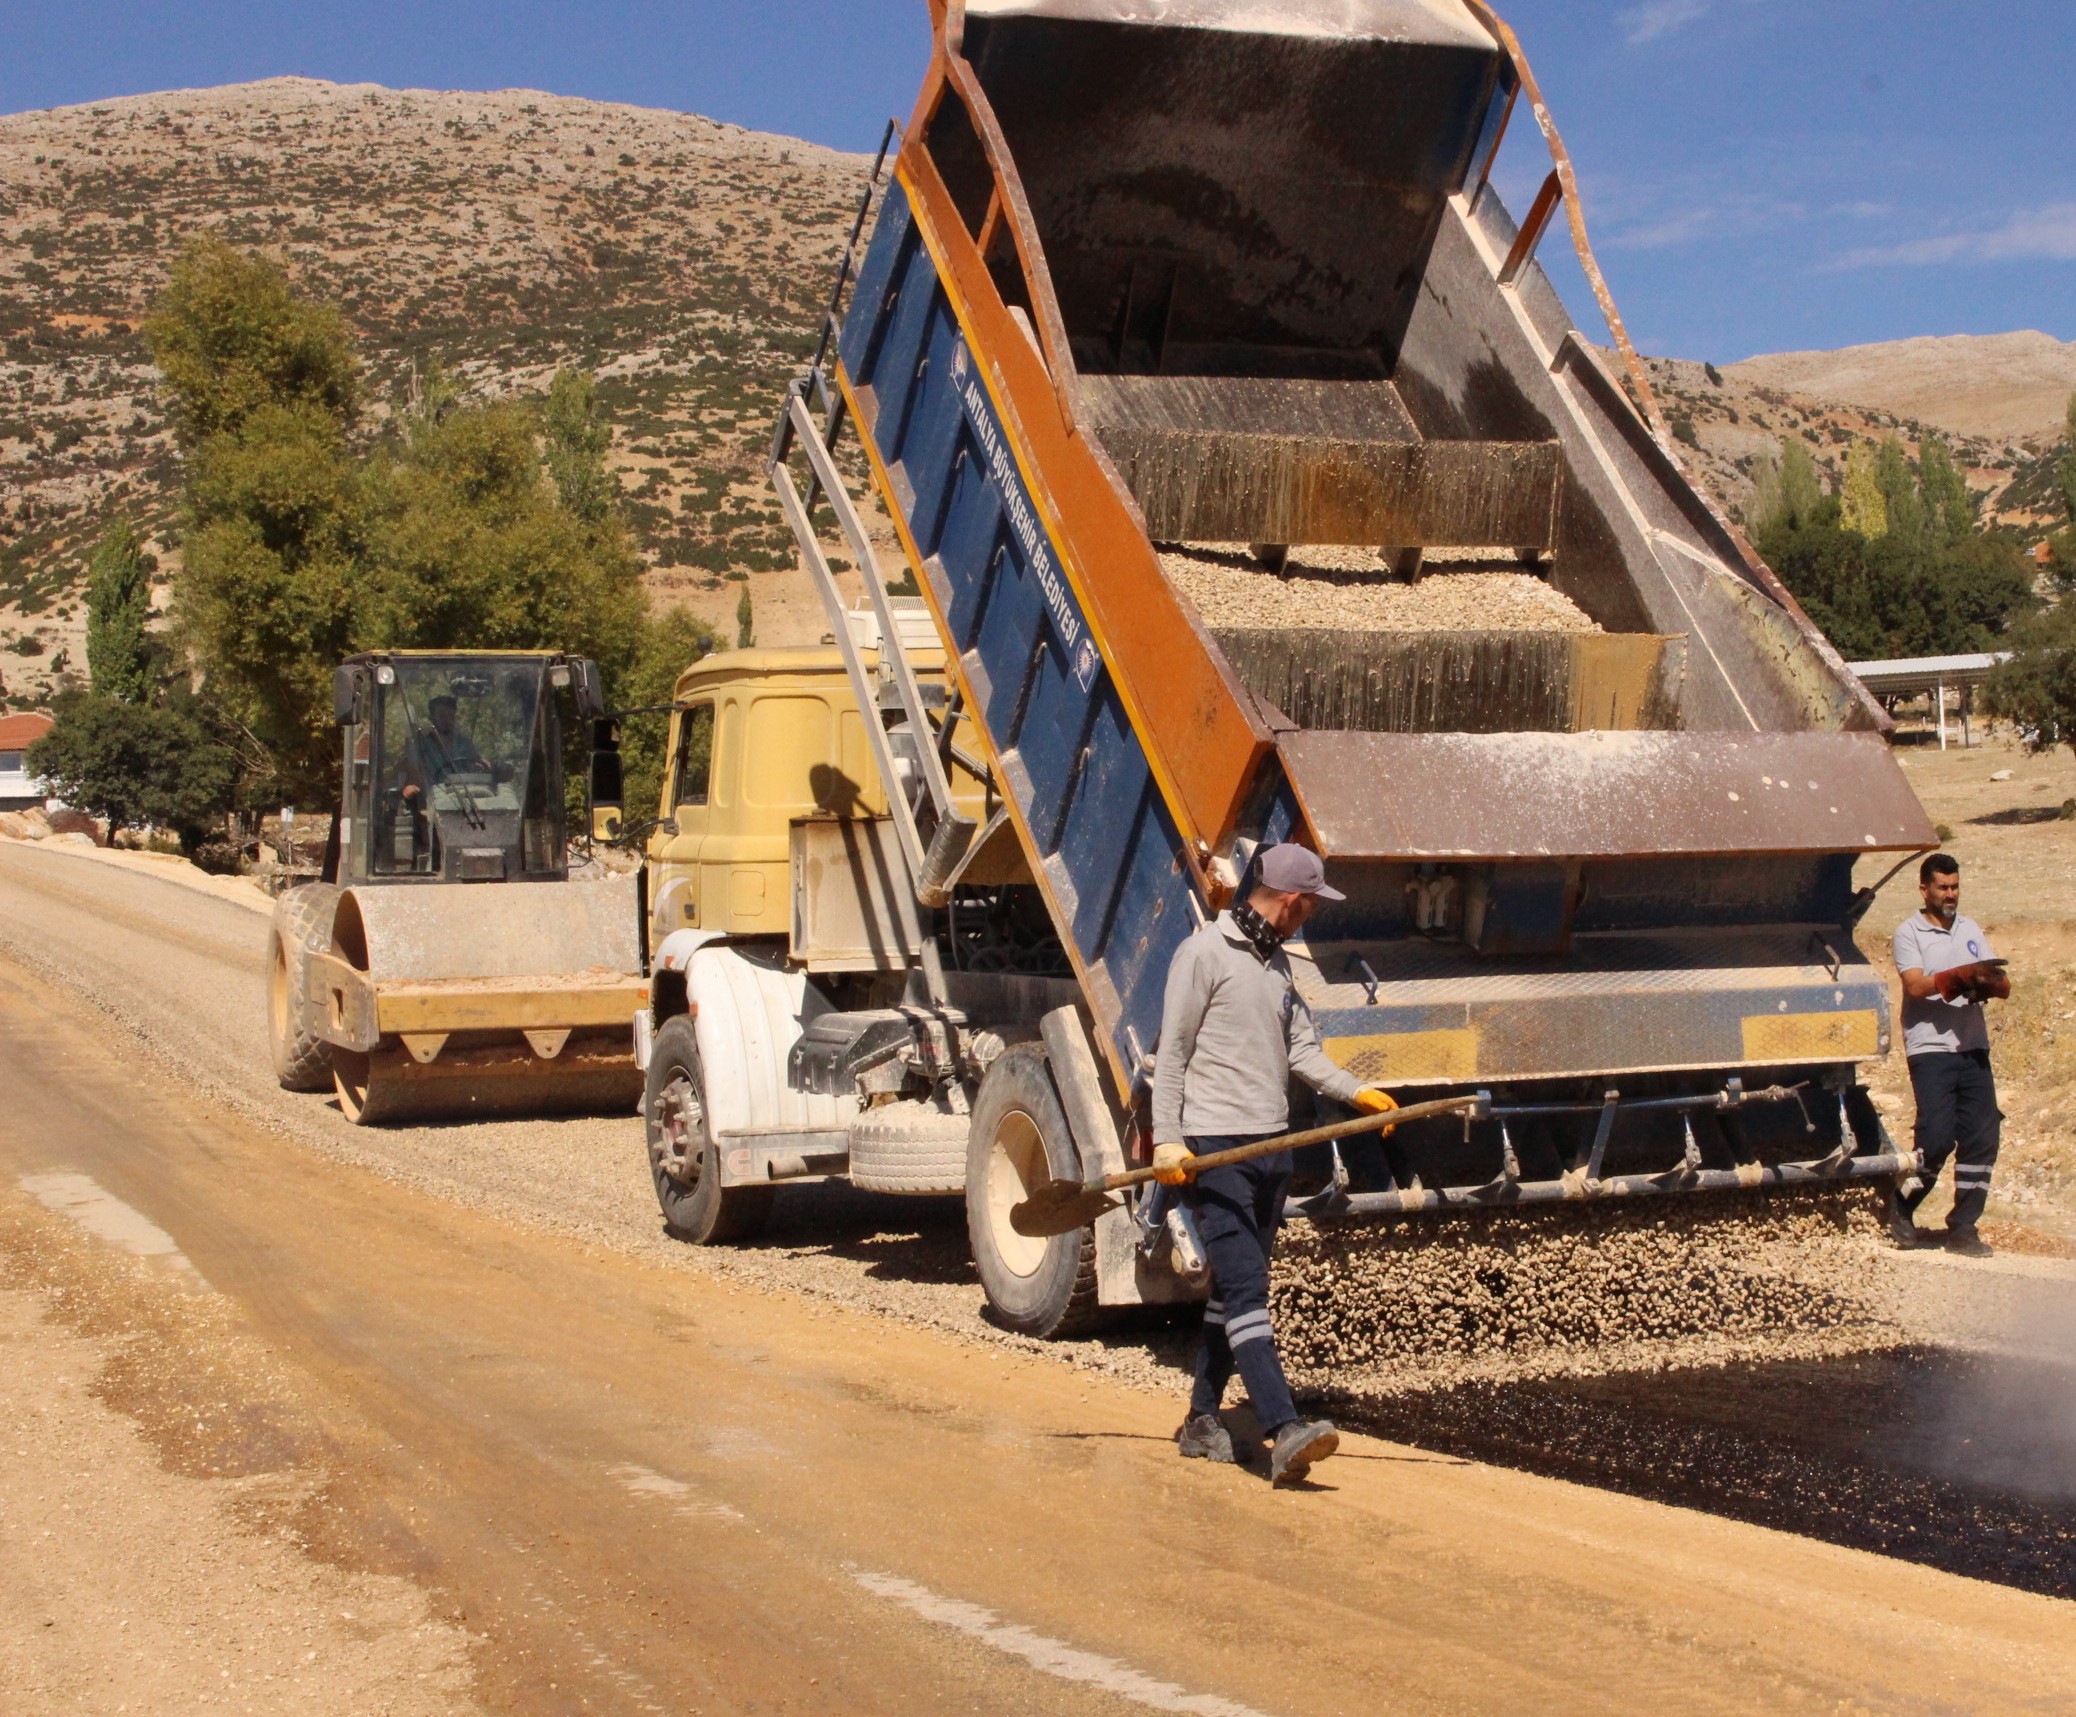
column 1759, row 175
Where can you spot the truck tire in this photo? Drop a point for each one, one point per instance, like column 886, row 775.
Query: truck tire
column 1020, row 1140
column 302, row 925
column 911, row 1148
column 684, row 1162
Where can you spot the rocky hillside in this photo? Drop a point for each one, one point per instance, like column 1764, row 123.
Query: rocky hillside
column 501, row 235
column 1734, row 421
column 1992, row 387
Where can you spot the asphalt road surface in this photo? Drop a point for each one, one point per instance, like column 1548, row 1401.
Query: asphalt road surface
column 625, row 1481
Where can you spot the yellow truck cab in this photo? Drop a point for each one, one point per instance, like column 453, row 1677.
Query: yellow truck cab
column 828, row 987
column 770, row 777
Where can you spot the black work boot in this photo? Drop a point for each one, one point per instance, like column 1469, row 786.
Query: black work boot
column 1968, row 1243
column 1203, row 1437
column 1297, row 1446
column 1904, row 1232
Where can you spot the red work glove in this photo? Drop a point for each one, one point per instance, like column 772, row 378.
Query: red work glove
column 1958, row 982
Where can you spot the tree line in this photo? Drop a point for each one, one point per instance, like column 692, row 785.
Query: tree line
column 2036, row 689
column 1896, row 561
column 314, row 526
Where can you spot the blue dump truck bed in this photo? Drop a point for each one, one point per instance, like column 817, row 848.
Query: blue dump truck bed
column 1227, row 286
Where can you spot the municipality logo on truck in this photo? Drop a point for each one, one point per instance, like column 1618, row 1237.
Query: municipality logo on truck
column 1023, row 519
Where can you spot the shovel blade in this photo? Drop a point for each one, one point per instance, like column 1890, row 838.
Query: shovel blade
column 1059, row 1207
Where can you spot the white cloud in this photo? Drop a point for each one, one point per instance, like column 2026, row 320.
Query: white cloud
column 1699, row 221
column 1646, row 23
column 2045, row 234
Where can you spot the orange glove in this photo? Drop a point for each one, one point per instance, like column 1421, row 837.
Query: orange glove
column 1370, row 1101
column 1171, row 1165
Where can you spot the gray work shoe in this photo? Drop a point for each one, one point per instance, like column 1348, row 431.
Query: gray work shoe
column 1297, row 1446
column 1904, row 1232
column 1203, row 1437
column 1968, row 1243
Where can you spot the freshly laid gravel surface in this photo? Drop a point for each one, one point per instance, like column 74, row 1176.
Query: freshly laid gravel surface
column 1352, row 589
column 1606, row 1287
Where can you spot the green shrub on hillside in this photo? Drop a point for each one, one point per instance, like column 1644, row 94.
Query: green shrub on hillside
column 1895, row 564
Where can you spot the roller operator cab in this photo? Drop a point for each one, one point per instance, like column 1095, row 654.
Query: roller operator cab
column 453, row 768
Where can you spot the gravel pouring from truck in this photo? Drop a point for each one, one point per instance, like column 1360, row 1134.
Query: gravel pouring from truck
column 1232, row 275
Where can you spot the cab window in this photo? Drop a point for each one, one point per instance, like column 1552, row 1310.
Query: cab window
column 695, row 755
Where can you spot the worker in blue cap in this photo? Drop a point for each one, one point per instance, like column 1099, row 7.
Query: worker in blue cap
column 1233, row 1032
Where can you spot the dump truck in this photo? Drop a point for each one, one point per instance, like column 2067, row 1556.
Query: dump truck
column 446, row 967
column 1161, row 307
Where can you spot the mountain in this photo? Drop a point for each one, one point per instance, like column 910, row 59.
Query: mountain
column 501, row 235
column 1736, row 420
column 1997, row 387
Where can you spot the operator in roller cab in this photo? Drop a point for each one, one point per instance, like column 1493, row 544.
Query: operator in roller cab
column 1233, row 1032
column 1948, row 971
column 459, row 760
column 438, row 753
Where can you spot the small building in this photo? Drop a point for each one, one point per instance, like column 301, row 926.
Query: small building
column 19, row 790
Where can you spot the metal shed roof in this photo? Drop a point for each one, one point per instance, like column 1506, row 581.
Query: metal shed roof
column 1926, row 673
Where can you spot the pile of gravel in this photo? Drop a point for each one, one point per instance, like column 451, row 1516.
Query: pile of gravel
column 1373, row 1306
column 1355, row 590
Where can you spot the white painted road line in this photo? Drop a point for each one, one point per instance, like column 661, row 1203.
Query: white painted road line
column 110, row 1221
column 1068, row 1662
column 683, row 1499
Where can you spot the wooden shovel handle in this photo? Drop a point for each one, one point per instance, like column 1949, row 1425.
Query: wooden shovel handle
column 1292, row 1141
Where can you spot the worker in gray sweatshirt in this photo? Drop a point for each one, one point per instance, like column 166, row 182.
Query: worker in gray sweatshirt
column 1233, row 1032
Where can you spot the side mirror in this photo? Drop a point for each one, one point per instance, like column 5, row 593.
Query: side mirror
column 587, row 688
column 607, row 783
column 346, row 684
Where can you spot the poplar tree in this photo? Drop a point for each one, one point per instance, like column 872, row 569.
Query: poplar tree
column 577, row 440
column 121, row 662
column 1862, row 506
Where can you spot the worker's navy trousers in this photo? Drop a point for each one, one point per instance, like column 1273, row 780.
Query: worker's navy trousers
column 1237, row 1210
column 1958, row 1117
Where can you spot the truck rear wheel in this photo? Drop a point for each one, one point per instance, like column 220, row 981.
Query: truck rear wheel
column 1019, row 1142
column 302, row 925
column 684, row 1161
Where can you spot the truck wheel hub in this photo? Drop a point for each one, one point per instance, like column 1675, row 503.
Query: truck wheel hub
column 680, row 1131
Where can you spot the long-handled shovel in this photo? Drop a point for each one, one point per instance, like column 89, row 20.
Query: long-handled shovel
column 1061, row 1206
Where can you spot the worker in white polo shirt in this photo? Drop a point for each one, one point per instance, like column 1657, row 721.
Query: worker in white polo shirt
column 1948, row 970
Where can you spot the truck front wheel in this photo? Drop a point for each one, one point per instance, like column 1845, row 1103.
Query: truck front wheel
column 1019, row 1141
column 684, row 1161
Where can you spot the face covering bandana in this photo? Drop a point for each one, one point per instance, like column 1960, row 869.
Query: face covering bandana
column 1257, row 929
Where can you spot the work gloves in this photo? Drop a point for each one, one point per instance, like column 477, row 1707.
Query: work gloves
column 1171, row 1164
column 1966, row 983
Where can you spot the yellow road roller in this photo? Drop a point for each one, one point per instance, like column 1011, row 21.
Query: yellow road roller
column 448, row 966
